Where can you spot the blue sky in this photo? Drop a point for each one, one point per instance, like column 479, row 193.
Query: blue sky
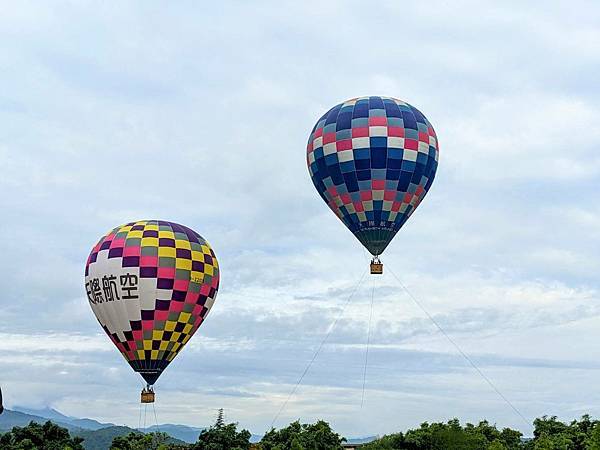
column 200, row 115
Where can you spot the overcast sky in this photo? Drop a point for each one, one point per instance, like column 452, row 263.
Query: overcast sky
column 200, row 115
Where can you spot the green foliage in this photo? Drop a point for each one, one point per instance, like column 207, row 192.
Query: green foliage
column 101, row 439
column 552, row 434
column 222, row 436
column 40, row 437
column 451, row 435
column 388, row 442
column 593, row 440
column 549, row 434
column 296, row 445
column 496, row 445
column 317, row 436
column 140, row 441
column 220, row 422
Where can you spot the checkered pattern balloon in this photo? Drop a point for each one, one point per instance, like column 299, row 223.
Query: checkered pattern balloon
column 151, row 284
column 372, row 160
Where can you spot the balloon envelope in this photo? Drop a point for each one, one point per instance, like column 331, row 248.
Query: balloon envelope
column 151, row 284
column 372, row 160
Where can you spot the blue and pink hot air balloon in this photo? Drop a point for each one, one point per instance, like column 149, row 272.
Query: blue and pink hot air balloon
column 372, row 160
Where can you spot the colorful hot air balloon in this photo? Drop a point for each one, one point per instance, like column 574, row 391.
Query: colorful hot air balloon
column 151, row 284
column 372, row 160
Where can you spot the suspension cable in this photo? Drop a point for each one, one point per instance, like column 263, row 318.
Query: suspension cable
column 145, row 414
column 362, row 399
column 314, row 357
column 155, row 417
column 457, row 347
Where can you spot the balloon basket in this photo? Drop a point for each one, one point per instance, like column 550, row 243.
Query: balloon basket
column 376, row 266
column 147, row 395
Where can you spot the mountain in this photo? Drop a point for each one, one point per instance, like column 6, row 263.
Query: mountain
column 79, row 426
column 94, row 438
column 90, row 424
column 11, row 419
column 98, row 435
column 60, row 418
column 102, row 438
column 47, row 413
column 186, row 433
column 181, row 432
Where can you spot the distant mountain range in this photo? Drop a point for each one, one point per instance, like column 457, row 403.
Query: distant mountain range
column 59, row 418
column 182, row 432
column 99, row 435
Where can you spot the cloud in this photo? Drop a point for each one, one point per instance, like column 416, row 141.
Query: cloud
column 200, row 114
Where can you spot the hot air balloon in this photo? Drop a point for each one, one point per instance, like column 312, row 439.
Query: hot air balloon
column 151, row 284
column 372, row 160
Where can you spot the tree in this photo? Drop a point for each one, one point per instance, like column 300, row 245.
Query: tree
column 141, row 441
column 593, row 441
column 441, row 436
column 317, row 436
column 40, row 437
column 496, row 445
column 511, row 438
column 220, row 419
column 222, row 436
column 296, row 445
column 388, row 442
column 552, row 434
column 543, row 442
column 450, row 435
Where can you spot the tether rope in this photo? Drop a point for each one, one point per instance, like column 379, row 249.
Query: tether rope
column 323, row 341
column 362, row 399
column 457, row 347
column 155, row 418
column 145, row 414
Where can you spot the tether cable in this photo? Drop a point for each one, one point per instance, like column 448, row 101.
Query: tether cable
column 155, row 418
column 145, row 414
column 362, row 399
column 140, row 418
column 314, row 357
column 456, row 346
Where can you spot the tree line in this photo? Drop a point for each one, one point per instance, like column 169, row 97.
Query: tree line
column 549, row 434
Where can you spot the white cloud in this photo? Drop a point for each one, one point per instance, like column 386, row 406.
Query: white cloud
column 200, row 114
